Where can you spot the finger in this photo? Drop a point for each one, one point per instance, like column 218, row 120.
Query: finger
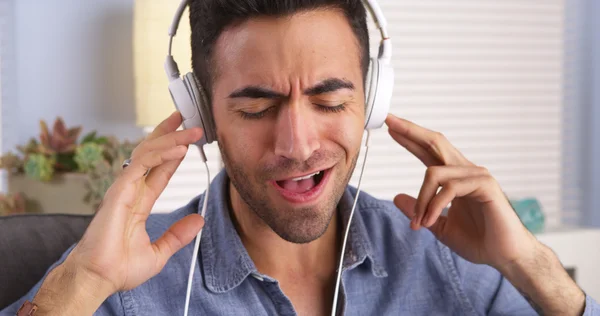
column 127, row 191
column 184, row 137
column 178, row 236
column 168, row 125
column 438, row 228
column 439, row 202
column 406, row 204
column 433, row 142
column 451, row 190
column 434, row 178
column 139, row 166
column 426, row 158
column 158, row 179
column 410, row 130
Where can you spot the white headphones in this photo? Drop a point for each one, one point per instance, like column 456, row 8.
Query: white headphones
column 191, row 100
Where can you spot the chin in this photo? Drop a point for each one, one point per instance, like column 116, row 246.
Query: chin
column 301, row 225
column 299, row 222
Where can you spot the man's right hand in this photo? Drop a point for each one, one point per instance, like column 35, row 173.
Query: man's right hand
column 115, row 253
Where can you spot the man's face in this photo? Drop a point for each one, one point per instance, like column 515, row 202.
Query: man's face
column 288, row 102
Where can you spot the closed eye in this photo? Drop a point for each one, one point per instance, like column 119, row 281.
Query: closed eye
column 323, row 108
column 331, row 109
column 255, row 115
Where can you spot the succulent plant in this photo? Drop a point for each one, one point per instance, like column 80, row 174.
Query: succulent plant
column 11, row 162
column 39, row 167
column 58, row 151
column 88, row 155
column 99, row 180
column 12, row 204
column 106, row 172
column 61, row 140
column 92, row 137
column 32, row 147
column 117, row 150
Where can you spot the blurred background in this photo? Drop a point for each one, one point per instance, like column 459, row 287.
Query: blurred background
column 513, row 84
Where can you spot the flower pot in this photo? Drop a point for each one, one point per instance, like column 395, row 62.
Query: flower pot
column 63, row 194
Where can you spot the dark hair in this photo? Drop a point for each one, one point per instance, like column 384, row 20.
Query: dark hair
column 208, row 19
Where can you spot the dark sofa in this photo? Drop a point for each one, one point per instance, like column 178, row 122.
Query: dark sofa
column 29, row 245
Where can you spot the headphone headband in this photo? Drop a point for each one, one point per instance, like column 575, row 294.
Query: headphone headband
column 385, row 46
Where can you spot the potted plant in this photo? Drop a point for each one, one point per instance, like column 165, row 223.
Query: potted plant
column 11, row 204
column 60, row 174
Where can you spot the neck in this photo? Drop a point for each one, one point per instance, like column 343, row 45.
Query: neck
column 279, row 258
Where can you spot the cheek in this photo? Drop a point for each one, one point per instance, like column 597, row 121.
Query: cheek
column 345, row 131
column 243, row 144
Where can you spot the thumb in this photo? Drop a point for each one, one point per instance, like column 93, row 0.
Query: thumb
column 406, row 204
column 178, row 236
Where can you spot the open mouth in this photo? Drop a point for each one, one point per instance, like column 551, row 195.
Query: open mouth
column 302, row 184
column 304, row 188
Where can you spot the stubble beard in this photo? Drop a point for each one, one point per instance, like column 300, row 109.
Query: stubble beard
column 295, row 225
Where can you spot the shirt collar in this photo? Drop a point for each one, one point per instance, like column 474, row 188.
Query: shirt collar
column 224, row 260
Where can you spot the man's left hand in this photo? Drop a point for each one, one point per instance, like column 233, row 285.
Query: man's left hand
column 481, row 226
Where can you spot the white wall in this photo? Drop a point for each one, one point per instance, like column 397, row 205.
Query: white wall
column 74, row 59
column 593, row 106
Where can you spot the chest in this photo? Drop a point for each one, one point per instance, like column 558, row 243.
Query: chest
column 308, row 296
column 361, row 294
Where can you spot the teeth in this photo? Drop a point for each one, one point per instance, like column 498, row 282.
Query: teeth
column 306, row 177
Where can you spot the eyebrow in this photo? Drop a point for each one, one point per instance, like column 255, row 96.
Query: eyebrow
column 329, row 85
column 326, row 86
column 256, row 92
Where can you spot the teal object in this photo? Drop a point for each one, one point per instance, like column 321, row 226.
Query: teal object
column 530, row 212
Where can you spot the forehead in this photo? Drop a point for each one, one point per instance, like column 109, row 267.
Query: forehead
column 305, row 47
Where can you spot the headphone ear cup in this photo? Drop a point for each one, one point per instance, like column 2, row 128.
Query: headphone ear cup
column 200, row 100
column 182, row 98
column 370, row 89
column 380, row 94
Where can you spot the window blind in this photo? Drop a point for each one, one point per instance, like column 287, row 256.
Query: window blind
column 489, row 76
column 189, row 180
column 486, row 74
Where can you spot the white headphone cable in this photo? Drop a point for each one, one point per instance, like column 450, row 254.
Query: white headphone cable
column 339, row 270
column 198, row 237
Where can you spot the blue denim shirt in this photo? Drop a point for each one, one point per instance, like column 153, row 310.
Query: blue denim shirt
column 388, row 270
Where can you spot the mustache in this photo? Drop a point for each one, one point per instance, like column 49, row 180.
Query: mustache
column 283, row 165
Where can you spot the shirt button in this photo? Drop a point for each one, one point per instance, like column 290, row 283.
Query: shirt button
column 257, row 276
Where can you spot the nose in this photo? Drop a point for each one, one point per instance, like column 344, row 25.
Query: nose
column 296, row 134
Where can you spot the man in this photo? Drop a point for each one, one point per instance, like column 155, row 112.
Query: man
column 286, row 86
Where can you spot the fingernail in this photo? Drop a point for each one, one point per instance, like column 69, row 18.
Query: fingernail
column 416, row 222
column 414, row 225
